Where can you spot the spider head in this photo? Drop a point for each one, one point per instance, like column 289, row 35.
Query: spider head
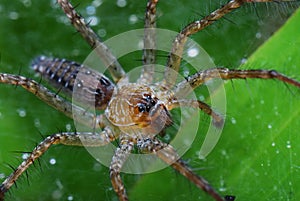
column 136, row 109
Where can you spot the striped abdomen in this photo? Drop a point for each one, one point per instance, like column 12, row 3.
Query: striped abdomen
column 91, row 87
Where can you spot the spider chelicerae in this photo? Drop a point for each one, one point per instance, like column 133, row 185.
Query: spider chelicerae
column 145, row 104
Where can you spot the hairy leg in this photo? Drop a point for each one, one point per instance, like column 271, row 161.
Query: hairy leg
column 174, row 58
column 218, row 119
column 94, row 41
column 66, row 138
column 53, row 99
column 201, row 77
column 168, row 154
column 149, row 43
column 118, row 160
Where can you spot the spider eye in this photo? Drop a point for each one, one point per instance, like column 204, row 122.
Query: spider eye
column 152, row 102
column 141, row 107
column 148, row 97
column 148, row 108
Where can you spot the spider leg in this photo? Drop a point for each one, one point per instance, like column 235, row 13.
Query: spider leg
column 53, row 100
column 176, row 52
column 118, row 160
column 149, row 43
column 168, row 154
column 94, row 41
column 218, row 119
column 66, row 138
column 201, row 77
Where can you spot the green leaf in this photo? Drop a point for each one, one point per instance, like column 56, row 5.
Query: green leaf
column 257, row 155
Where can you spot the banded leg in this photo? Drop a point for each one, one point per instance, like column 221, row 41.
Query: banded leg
column 94, row 41
column 53, row 99
column 201, row 77
column 218, row 120
column 175, row 55
column 168, row 154
column 149, row 43
column 118, row 160
column 66, row 138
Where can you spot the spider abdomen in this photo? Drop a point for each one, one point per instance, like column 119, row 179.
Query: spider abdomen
column 90, row 87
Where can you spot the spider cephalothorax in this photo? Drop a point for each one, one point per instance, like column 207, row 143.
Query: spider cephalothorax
column 136, row 108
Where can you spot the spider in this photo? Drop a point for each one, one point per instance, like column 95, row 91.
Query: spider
column 145, row 106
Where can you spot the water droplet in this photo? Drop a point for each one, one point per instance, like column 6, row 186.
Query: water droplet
column 101, row 33
column 62, row 19
column 269, row 126
column 201, row 98
column 37, row 123
column 167, row 137
column 222, row 185
column 193, row 52
column 201, row 157
column 186, row 73
column 121, row 3
column 68, row 127
column 223, row 152
column 222, row 189
column 52, row 161
column 233, row 120
column 258, row 35
column 97, row 3
column 97, row 167
column 26, row 3
column 133, row 19
column 13, row 15
column 273, row 144
column 2, row 175
column 21, row 112
column 56, row 195
column 25, row 156
column 70, row 197
column 288, row 144
column 93, row 20
column 90, row 10
column 243, row 60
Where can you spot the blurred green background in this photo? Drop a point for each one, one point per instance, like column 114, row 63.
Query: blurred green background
column 257, row 157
